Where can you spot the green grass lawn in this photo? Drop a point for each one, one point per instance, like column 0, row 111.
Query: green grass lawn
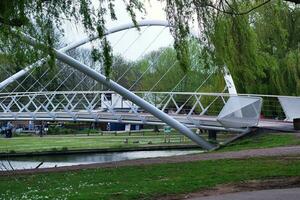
column 263, row 141
column 96, row 141
column 144, row 182
column 71, row 142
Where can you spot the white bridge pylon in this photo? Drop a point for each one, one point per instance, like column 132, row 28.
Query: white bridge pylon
column 44, row 108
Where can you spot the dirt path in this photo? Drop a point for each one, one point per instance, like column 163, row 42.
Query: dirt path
column 278, row 151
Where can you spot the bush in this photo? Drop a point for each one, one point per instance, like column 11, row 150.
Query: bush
column 12, row 151
column 64, row 149
column 88, row 131
column 56, row 130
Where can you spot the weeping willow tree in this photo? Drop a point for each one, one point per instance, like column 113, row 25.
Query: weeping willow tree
column 42, row 19
column 236, row 46
column 278, row 32
column 262, row 48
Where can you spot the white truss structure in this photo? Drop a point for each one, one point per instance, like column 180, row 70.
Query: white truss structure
column 191, row 109
column 93, row 106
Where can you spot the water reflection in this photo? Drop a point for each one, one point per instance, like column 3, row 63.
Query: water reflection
column 78, row 159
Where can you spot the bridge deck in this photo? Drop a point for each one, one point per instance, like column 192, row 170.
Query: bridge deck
column 276, row 125
column 142, row 118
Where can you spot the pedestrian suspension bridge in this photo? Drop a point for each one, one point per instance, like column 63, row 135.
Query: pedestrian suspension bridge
column 78, row 91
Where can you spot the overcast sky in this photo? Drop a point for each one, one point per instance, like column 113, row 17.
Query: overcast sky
column 139, row 42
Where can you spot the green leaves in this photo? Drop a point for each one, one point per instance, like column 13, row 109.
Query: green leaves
column 132, row 6
column 182, row 52
column 12, row 13
column 178, row 16
column 254, row 45
column 41, row 19
column 260, row 49
column 107, row 57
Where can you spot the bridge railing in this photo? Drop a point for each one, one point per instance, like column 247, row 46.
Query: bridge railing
column 212, row 103
column 92, row 105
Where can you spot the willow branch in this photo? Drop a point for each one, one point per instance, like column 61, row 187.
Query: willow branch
column 238, row 13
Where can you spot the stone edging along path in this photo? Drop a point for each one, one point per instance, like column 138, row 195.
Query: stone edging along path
column 267, row 152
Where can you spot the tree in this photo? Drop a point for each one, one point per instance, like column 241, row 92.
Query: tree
column 262, row 53
column 41, row 18
column 163, row 73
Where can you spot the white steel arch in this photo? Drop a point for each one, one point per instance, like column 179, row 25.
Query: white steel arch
column 227, row 76
column 79, row 43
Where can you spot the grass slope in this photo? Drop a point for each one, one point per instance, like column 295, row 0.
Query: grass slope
column 57, row 143
column 144, row 182
column 263, row 141
column 71, row 142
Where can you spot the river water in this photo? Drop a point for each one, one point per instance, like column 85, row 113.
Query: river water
column 30, row 162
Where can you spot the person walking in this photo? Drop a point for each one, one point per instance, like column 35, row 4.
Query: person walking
column 9, row 130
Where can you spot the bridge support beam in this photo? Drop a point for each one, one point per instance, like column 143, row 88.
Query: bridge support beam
column 127, row 94
column 135, row 99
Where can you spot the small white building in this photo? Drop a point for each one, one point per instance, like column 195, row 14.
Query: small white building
column 114, row 100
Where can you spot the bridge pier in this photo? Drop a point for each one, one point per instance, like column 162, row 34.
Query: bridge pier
column 212, row 135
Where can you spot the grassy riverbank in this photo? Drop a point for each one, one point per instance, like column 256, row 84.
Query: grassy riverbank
column 145, row 182
column 78, row 142
column 264, row 140
column 63, row 143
